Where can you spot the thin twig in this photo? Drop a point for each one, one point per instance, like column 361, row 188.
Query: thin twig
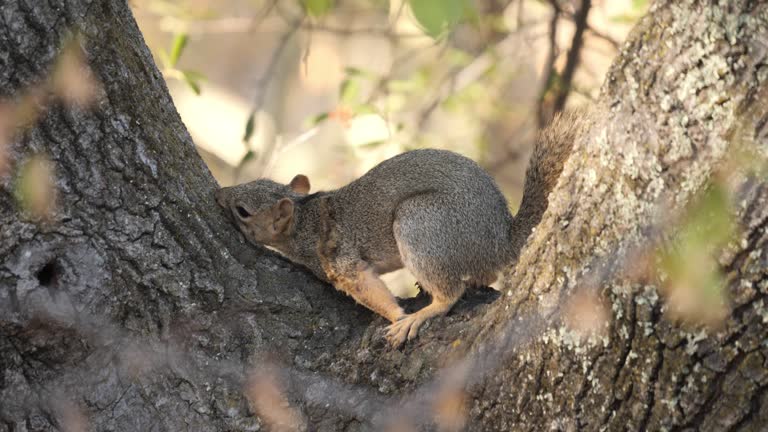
column 261, row 92
column 263, row 81
column 549, row 67
column 600, row 35
column 574, row 55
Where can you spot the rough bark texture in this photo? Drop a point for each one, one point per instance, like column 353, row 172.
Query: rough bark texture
column 142, row 307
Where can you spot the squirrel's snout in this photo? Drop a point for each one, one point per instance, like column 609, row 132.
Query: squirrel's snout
column 219, row 196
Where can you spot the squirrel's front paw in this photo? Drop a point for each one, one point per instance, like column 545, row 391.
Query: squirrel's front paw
column 406, row 328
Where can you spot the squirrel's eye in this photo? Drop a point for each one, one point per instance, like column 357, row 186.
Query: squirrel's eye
column 242, row 212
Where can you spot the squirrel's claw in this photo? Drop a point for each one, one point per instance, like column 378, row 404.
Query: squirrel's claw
column 405, row 328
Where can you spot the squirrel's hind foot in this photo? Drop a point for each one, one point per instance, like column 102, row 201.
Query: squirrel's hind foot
column 407, row 327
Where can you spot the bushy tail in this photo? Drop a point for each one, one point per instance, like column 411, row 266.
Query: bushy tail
column 552, row 148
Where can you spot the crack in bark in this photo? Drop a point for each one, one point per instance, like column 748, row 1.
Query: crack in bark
column 654, row 373
column 626, row 348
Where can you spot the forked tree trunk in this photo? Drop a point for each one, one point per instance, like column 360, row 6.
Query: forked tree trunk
column 139, row 307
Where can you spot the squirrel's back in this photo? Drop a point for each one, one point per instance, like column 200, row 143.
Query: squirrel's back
column 426, row 171
column 446, row 200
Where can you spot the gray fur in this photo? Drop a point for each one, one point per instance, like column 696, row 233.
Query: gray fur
column 434, row 212
column 440, row 208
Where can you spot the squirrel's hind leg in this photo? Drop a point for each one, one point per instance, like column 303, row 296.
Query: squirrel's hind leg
column 407, row 327
column 432, row 247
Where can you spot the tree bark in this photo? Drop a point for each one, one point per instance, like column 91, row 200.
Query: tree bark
column 139, row 306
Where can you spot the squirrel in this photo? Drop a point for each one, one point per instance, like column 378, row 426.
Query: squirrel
column 434, row 212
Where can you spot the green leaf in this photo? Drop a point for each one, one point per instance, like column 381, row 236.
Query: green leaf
column 365, row 109
column 193, row 85
column 709, row 223
column 193, row 79
column 372, row 144
column 624, row 18
column 249, row 125
column 438, row 17
column 415, row 83
column 177, row 47
column 694, row 281
column 352, row 71
column 194, row 75
column 164, row 58
column 317, row 8
column 348, row 90
column 318, row 118
column 250, row 154
column 459, row 58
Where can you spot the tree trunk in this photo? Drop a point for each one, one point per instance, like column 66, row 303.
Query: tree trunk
column 139, row 307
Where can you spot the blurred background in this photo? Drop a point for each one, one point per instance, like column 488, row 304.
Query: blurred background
column 329, row 88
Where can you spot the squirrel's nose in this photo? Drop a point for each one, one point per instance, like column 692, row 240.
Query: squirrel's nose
column 218, row 194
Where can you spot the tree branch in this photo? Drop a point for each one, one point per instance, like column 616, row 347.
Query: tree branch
column 572, row 61
column 542, row 116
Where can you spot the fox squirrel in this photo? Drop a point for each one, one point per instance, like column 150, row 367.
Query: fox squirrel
column 434, row 212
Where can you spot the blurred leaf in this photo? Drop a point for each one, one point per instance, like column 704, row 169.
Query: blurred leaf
column 365, row 109
column 709, row 220
column 555, row 81
column 349, row 90
column 194, row 75
column 585, row 313
column 317, row 8
column 183, row 10
column 193, row 79
column 177, row 47
column 343, row 115
column 637, row 10
column 450, row 409
column 695, row 285
column 459, row 58
column 70, row 416
column 416, row 82
column 357, row 72
column 353, row 71
column 72, row 79
column 372, row 144
column 747, row 159
column 468, row 97
column 318, row 118
column 266, row 395
column 250, row 154
column 249, row 125
column 35, row 189
column 438, row 17
column 400, row 424
column 7, row 120
column 25, row 112
column 367, row 130
column 394, row 102
column 626, row 18
column 164, row 58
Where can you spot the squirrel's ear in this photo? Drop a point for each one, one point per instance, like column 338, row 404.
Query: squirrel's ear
column 282, row 213
column 300, row 184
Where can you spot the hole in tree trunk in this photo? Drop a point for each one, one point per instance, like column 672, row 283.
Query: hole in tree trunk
column 48, row 276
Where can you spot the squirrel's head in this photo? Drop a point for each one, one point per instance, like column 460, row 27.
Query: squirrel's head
column 263, row 209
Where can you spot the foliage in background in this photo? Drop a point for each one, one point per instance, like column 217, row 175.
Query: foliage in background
column 170, row 59
column 450, row 75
